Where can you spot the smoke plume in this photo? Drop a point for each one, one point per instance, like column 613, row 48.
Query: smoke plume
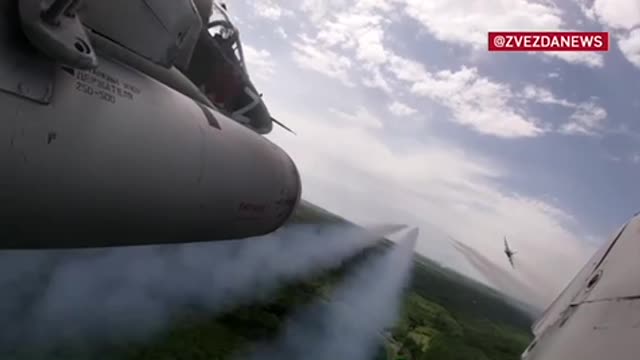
column 500, row 278
column 107, row 295
column 351, row 324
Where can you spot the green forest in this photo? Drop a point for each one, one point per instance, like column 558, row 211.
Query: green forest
column 444, row 316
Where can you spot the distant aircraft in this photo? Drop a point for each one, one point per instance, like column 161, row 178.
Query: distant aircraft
column 509, row 252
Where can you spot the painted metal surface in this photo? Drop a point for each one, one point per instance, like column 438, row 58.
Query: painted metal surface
column 118, row 158
column 598, row 314
column 161, row 31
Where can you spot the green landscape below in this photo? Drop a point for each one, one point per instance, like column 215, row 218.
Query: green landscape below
column 444, row 316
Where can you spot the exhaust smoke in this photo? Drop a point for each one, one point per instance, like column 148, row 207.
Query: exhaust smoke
column 501, row 278
column 351, row 324
column 104, row 296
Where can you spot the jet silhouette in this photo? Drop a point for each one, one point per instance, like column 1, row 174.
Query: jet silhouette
column 509, row 252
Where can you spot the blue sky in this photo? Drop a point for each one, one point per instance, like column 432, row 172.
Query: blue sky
column 404, row 116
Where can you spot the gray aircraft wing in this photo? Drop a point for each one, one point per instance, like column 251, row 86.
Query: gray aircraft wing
column 597, row 316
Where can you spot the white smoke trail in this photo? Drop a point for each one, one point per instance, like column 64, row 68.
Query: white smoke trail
column 108, row 295
column 502, row 279
column 350, row 325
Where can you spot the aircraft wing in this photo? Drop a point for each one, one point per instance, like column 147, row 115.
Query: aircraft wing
column 597, row 316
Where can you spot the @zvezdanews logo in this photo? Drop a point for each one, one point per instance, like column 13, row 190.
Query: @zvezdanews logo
column 548, row 41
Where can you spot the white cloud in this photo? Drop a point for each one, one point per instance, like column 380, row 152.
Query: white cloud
column 348, row 165
column 483, row 105
column 432, row 184
column 623, row 17
column 466, row 22
column 375, row 79
column 622, row 14
column 259, row 62
column 553, row 75
column 358, row 30
column 362, row 118
column 490, row 107
column 280, row 31
column 544, row 96
column 406, row 69
column 400, row 109
column 309, row 56
column 318, row 9
column 630, row 46
column 269, row 9
column 590, row 59
column 586, row 120
column 477, row 102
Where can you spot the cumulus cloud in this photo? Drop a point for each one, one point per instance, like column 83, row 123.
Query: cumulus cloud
column 356, row 29
column 367, row 175
column 544, row 96
column 330, row 63
column 630, row 46
column 282, row 33
column 400, row 109
column 431, row 185
column 316, row 10
column 361, row 118
column 475, row 101
column 259, row 62
column 466, row 22
column 590, row 59
column 587, row 118
column 375, row 79
column 270, row 10
column 621, row 16
column 361, row 31
column 478, row 102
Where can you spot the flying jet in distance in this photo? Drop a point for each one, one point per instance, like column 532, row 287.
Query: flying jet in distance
column 132, row 122
column 509, row 252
